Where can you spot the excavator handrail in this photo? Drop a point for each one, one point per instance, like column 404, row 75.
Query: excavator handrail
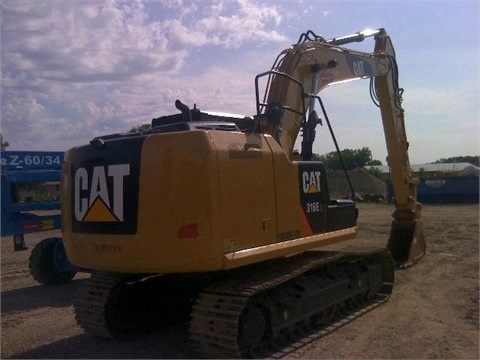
column 263, row 104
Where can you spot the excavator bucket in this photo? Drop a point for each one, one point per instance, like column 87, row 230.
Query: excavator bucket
column 407, row 242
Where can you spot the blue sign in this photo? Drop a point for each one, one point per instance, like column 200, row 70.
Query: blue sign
column 31, row 160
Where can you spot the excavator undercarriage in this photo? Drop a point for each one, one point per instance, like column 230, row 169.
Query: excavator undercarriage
column 250, row 312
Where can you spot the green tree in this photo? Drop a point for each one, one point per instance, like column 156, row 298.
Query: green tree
column 375, row 163
column 474, row 160
column 4, row 144
column 353, row 158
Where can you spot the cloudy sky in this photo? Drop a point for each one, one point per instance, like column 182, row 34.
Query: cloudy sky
column 75, row 69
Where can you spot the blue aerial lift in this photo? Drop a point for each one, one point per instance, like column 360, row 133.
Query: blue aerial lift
column 30, row 190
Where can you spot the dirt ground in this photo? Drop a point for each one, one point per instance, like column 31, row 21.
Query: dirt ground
column 432, row 313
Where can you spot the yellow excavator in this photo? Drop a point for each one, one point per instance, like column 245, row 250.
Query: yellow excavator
column 216, row 217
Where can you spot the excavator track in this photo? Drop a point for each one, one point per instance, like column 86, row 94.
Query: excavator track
column 265, row 310
column 124, row 306
column 121, row 306
column 90, row 309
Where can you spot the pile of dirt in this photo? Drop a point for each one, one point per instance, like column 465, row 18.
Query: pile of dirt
column 366, row 186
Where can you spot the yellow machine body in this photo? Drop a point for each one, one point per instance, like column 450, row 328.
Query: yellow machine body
column 207, row 200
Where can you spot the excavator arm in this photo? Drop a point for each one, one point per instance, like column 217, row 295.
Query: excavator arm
column 302, row 71
column 407, row 241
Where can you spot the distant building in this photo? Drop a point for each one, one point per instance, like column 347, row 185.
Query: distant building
column 455, row 169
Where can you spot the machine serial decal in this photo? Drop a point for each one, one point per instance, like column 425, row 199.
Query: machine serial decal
column 288, row 235
column 96, row 204
column 107, row 248
column 311, row 182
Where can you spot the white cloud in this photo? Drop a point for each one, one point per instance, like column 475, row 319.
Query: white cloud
column 229, row 24
column 251, row 22
column 72, row 70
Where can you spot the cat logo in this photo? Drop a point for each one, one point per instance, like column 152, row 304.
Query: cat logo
column 99, row 196
column 311, row 182
column 358, row 68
